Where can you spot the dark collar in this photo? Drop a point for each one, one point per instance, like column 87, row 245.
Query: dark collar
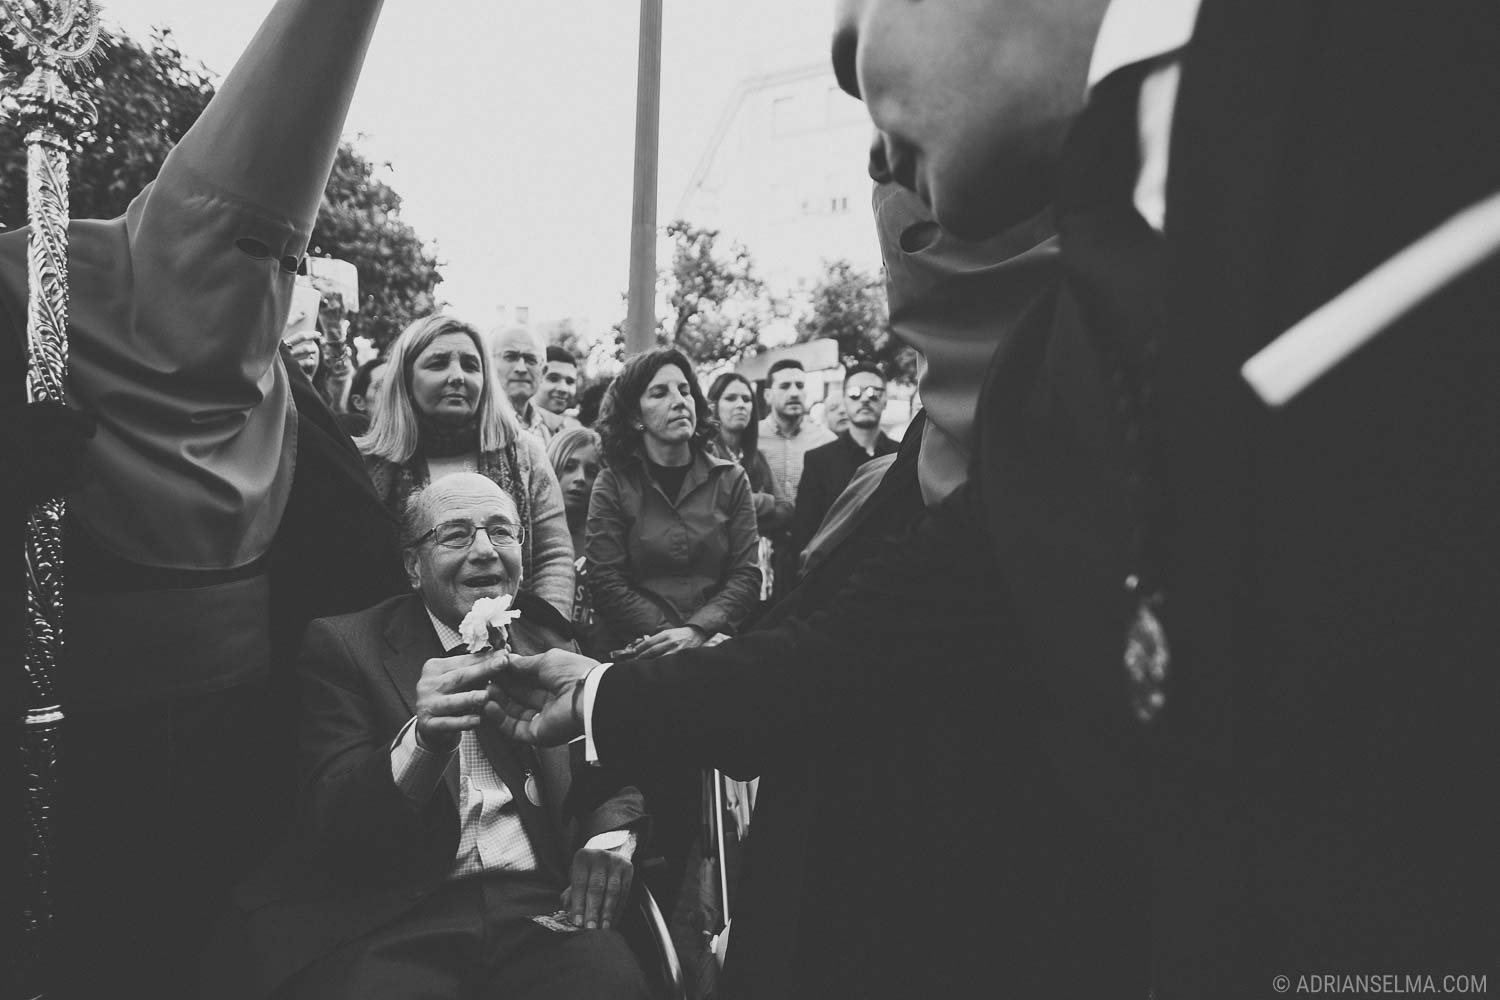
column 703, row 467
column 884, row 444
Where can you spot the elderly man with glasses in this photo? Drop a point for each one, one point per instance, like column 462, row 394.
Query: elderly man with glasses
column 518, row 359
column 827, row 469
column 439, row 853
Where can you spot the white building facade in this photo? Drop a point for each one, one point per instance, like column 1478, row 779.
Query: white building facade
column 785, row 174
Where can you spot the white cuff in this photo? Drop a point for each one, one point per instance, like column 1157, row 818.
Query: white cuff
column 622, row 842
column 590, row 689
column 415, row 769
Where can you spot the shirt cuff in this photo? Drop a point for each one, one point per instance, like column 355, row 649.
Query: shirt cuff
column 590, row 690
column 708, row 621
column 621, row 842
column 416, row 769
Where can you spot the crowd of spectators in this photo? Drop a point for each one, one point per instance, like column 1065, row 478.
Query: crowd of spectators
column 650, row 513
column 510, row 383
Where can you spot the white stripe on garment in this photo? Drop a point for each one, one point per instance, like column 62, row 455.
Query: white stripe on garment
column 1311, row 348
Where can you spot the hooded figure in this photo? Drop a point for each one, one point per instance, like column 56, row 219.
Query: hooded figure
column 220, row 508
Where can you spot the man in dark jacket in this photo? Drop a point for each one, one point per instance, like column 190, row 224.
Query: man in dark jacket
column 827, row 469
column 432, row 842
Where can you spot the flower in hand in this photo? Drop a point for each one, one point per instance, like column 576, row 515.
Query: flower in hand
column 487, row 625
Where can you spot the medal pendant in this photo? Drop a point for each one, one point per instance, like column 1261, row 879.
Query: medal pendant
column 533, row 793
column 1147, row 659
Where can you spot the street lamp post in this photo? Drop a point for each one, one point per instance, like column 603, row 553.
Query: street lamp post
column 640, row 313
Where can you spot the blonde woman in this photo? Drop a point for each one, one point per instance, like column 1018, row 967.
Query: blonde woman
column 437, row 412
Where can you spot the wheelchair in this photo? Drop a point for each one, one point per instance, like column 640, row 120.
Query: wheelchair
column 645, row 930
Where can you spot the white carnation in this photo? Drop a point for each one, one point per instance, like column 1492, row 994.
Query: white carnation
column 488, row 613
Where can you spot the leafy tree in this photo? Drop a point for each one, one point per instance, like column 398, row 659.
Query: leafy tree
column 360, row 221
column 849, row 306
column 606, row 353
column 148, row 96
column 714, row 303
column 600, row 355
column 564, row 334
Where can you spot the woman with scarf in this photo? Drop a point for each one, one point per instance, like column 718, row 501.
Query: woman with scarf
column 437, row 412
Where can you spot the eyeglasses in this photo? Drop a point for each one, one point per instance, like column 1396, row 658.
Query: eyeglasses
column 460, row 535
column 868, row 392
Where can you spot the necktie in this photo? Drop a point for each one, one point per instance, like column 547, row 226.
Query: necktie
column 491, row 835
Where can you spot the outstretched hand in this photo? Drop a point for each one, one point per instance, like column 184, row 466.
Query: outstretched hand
column 538, row 699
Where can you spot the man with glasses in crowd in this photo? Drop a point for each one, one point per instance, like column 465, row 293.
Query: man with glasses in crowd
column 827, row 469
column 518, row 366
column 438, row 851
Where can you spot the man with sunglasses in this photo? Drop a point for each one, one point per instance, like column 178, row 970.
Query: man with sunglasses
column 433, row 841
column 827, row 469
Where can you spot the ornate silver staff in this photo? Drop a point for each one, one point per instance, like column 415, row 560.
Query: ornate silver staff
column 54, row 36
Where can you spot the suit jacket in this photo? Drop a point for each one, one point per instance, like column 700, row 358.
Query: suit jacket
column 783, row 907
column 1328, row 567
column 846, row 891
column 365, row 854
column 826, row 470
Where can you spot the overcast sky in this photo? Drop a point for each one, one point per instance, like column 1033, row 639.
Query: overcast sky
column 510, row 125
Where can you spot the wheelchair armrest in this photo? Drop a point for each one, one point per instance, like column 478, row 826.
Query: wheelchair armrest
column 667, row 976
